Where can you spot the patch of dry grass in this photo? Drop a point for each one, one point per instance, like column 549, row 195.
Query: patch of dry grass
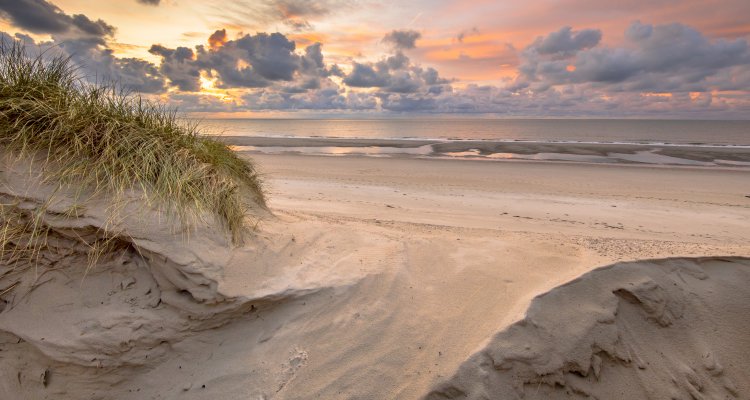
column 107, row 141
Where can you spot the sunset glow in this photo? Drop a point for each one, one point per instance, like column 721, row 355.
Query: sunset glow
column 377, row 56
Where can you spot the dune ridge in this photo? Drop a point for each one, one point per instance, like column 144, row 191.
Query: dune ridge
column 56, row 302
column 70, row 329
column 100, row 192
column 657, row 329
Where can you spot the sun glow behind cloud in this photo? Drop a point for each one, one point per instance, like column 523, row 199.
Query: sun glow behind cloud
column 459, row 56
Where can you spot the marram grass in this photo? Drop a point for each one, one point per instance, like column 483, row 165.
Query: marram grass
column 104, row 140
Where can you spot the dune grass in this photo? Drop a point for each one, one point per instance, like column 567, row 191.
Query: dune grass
column 107, row 141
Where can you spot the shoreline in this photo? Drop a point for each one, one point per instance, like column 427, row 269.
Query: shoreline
column 239, row 139
column 485, row 150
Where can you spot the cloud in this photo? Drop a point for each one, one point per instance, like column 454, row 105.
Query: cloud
column 400, row 85
column 270, row 55
column 366, row 76
column 136, row 74
column 40, row 16
column 402, row 39
column 217, row 39
column 178, row 65
column 81, row 39
column 200, row 102
column 271, row 74
column 149, row 2
column 660, row 58
column 249, row 61
column 565, row 42
column 656, row 70
column 466, row 33
column 330, row 97
column 97, row 63
column 395, row 74
column 565, row 73
column 407, row 103
column 296, row 14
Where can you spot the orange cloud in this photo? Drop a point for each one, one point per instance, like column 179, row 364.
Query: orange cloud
column 655, row 94
column 217, row 39
column 308, row 38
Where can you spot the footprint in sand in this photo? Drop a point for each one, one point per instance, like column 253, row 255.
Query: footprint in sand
column 297, row 360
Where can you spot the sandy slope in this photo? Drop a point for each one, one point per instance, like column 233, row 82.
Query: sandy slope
column 376, row 279
column 667, row 329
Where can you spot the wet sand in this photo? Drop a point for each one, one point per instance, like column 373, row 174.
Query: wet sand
column 645, row 153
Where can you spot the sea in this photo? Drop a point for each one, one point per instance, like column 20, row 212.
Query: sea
column 706, row 143
column 676, row 132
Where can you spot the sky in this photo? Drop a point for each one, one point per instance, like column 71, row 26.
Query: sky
column 372, row 58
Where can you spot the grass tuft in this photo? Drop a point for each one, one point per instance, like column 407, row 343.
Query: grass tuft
column 103, row 139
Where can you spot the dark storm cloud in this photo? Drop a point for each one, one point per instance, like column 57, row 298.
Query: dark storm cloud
column 312, row 72
column 314, row 56
column 149, row 2
column 402, row 39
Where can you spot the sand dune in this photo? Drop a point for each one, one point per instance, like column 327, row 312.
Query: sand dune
column 379, row 279
column 658, row 329
column 150, row 288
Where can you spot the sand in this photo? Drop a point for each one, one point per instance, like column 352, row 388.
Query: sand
column 389, row 278
column 667, row 329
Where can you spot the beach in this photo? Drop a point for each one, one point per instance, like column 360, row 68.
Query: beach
column 477, row 241
column 468, row 245
column 379, row 277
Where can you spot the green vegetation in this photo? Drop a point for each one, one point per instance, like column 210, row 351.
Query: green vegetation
column 107, row 141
